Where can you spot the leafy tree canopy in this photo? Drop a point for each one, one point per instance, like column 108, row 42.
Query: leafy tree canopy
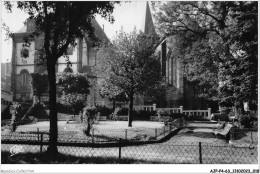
column 39, row 83
column 217, row 45
column 73, row 83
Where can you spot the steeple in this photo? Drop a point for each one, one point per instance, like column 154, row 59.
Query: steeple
column 147, row 25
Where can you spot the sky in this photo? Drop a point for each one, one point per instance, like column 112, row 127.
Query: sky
column 127, row 15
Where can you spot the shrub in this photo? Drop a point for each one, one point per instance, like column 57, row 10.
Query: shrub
column 143, row 115
column 221, row 117
column 61, row 108
column 196, row 118
column 123, row 111
column 247, row 121
column 39, row 111
column 104, row 111
column 6, row 113
column 176, row 115
column 162, row 112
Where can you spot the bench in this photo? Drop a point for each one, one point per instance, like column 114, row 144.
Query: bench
column 162, row 118
column 122, row 117
column 102, row 118
column 224, row 131
column 219, row 126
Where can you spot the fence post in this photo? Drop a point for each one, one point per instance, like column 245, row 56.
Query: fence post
column 232, row 133
column 119, row 144
column 126, row 134
column 209, row 112
column 92, row 135
column 38, row 134
column 200, row 154
column 155, row 133
column 154, row 106
column 41, row 142
column 181, row 109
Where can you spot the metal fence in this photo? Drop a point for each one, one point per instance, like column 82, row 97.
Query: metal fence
column 127, row 146
column 168, row 153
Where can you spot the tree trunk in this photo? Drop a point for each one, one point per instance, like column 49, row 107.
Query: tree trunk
column 30, row 110
column 239, row 111
column 53, row 110
column 130, row 109
column 114, row 105
column 73, row 113
column 39, row 98
column 88, row 126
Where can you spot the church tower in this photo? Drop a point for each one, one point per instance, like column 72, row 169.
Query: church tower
column 147, row 25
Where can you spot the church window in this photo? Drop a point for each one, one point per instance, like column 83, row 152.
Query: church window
column 24, row 79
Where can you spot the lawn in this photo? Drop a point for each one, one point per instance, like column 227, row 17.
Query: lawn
column 107, row 125
column 103, row 131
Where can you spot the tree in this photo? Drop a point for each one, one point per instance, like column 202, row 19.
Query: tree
column 39, row 84
column 111, row 92
column 217, row 42
column 75, row 88
column 75, row 102
column 130, row 65
column 61, row 23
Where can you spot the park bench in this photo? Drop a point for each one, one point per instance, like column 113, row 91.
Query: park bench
column 219, row 126
column 102, row 118
column 122, row 117
column 224, row 131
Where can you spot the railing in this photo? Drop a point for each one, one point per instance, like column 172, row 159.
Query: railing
column 204, row 113
column 170, row 110
column 145, row 107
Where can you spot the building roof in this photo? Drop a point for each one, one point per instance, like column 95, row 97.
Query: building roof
column 99, row 32
column 29, row 26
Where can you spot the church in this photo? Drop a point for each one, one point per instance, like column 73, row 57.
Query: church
column 83, row 58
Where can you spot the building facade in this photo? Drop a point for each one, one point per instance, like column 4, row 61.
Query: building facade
column 24, row 56
column 181, row 92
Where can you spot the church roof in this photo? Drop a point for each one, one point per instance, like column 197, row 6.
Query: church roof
column 147, row 25
column 99, row 32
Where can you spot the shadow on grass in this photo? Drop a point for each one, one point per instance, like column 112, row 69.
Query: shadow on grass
column 42, row 158
column 239, row 135
column 204, row 135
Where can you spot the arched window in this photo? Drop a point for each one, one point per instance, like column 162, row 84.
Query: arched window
column 24, row 77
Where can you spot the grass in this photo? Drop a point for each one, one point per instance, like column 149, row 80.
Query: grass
column 103, row 131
